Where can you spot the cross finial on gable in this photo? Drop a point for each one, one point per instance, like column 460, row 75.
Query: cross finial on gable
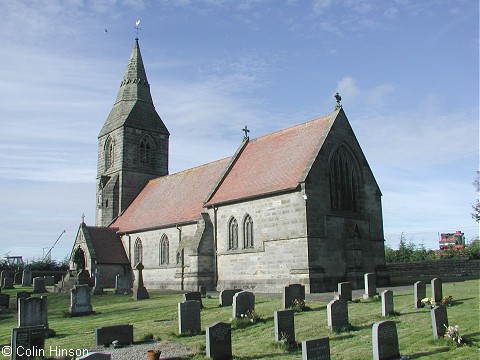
column 83, row 218
column 246, row 131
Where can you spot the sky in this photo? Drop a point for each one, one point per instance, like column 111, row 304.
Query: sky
column 407, row 71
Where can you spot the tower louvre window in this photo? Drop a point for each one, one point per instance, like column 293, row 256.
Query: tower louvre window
column 146, row 151
column 109, row 152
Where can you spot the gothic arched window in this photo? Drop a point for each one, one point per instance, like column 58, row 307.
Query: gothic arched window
column 343, row 181
column 164, row 250
column 109, row 152
column 137, row 252
column 232, row 234
column 146, row 151
column 248, row 232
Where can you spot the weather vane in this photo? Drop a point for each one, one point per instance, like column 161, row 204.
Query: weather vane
column 137, row 27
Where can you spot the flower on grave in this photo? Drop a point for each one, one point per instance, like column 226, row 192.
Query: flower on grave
column 447, row 301
column 453, row 334
column 429, row 302
column 298, row 304
column 252, row 316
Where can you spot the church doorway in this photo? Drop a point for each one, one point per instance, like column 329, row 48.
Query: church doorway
column 79, row 259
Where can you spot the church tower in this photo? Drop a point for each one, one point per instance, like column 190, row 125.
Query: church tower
column 132, row 145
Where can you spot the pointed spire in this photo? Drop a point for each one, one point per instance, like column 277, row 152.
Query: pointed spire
column 134, row 85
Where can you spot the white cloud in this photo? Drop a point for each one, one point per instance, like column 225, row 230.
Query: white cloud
column 351, row 92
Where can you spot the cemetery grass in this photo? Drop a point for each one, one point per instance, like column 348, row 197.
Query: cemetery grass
column 157, row 317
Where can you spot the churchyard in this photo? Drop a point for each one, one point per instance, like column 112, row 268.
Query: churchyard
column 157, row 317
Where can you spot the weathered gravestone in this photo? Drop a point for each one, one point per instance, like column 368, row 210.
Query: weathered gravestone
column 284, row 326
column 139, row 290
column 193, row 296
column 33, row 312
column 439, row 321
column 385, row 340
column 27, row 340
column 370, row 285
column 80, row 300
column 96, row 356
column 27, row 277
column 337, row 315
column 202, row 289
column 292, row 292
column 436, row 285
column 7, row 283
column 4, row 274
column 226, row 296
column 243, row 302
column 316, row 349
column 105, row 335
column 387, row 303
column 189, row 317
column 83, row 278
column 4, row 301
column 219, row 341
column 39, row 285
column 97, row 289
column 22, row 295
column 122, row 284
column 17, row 278
column 419, row 293
column 344, row 291
column 49, row 280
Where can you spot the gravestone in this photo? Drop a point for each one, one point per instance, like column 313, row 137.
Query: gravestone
column 96, row 356
column 344, row 291
column 39, row 285
column 82, row 277
column 419, row 293
column 284, row 326
column 27, row 340
column 97, row 289
column 122, row 284
column 243, row 302
column 49, row 280
column 193, row 296
column 439, row 321
column 316, row 349
column 5, row 301
column 337, row 315
column 202, row 289
column 17, row 278
column 226, row 296
column 4, row 274
column 370, row 285
column 387, row 303
column 189, row 317
column 27, row 277
column 7, row 283
column 33, row 312
column 22, row 295
column 385, row 340
column 292, row 292
column 219, row 341
column 106, row 334
column 139, row 290
column 80, row 300
column 436, row 285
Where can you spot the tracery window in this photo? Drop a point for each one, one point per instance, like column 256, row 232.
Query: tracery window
column 109, row 151
column 164, row 250
column 137, row 252
column 343, row 181
column 146, row 151
column 232, row 234
column 248, row 232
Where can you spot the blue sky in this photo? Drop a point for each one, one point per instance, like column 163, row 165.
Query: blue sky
column 408, row 73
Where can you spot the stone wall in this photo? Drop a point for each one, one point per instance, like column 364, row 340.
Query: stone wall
column 440, row 268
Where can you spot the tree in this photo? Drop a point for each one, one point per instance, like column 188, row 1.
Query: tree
column 476, row 207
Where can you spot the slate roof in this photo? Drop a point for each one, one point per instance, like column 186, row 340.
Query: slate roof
column 173, row 199
column 275, row 162
column 107, row 245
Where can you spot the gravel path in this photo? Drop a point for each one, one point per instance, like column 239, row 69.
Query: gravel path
column 139, row 351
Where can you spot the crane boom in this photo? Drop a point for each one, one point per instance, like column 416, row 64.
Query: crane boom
column 55, row 243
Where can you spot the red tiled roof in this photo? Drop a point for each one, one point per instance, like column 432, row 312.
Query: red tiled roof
column 171, row 199
column 107, row 245
column 274, row 162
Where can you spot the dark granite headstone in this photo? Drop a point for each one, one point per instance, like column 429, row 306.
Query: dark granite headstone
column 193, row 296
column 17, row 278
column 27, row 277
column 189, row 317
column 106, row 334
column 22, row 295
column 419, row 293
column 219, row 341
column 5, row 301
column 385, row 340
column 387, row 303
column 123, row 284
column 49, row 280
column 39, row 285
column 345, row 291
column 337, row 315
column 226, row 296
column 284, row 326
column 202, row 289
column 439, row 321
column 292, row 292
column 436, row 285
column 7, row 283
column 316, row 349
column 27, row 340
column 243, row 302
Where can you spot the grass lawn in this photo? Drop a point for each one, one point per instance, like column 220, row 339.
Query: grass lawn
column 157, row 316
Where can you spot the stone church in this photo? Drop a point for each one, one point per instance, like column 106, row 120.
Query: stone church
column 299, row 205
